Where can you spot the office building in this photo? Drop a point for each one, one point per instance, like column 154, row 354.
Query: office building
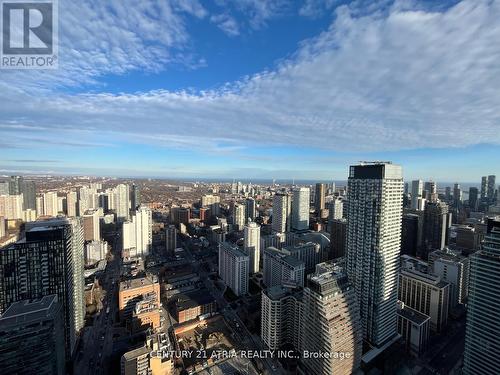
column 135, row 197
column 49, row 261
column 194, row 304
column 430, row 191
column 482, row 336
column 331, row 322
column 170, row 238
column 251, row 245
column 437, row 220
column 281, row 213
column 281, row 317
column 375, row 196
column 300, row 208
column 409, row 234
column 424, row 292
column 484, row 187
column 280, row 268
column 319, row 197
column 414, row 328
column 32, row 337
column 338, row 238
column 457, row 195
column 416, row 192
column 234, row 267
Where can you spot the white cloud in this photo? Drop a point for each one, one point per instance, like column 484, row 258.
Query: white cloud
column 388, row 80
column 226, row 23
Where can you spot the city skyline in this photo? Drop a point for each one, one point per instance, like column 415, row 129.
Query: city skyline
column 219, row 91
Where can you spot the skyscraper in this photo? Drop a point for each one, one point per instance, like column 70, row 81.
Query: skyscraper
column 252, row 245
column 50, row 206
column 319, row 197
column 482, row 336
column 436, row 224
column 250, row 211
column 50, row 261
column 490, row 192
column 331, row 321
column 238, row 215
column 122, row 202
column 416, row 192
column 279, row 267
column 135, row 197
column 32, row 337
column 336, row 209
column 170, row 238
column 28, row 189
column 234, row 268
column 71, row 204
column 143, row 221
column 300, row 208
column 473, row 198
column 484, row 187
column 281, row 212
column 375, row 197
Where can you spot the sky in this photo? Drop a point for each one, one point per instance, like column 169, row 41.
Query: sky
column 260, row 89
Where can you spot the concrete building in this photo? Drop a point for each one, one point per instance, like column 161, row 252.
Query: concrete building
column 91, row 225
column 414, row 327
column 238, row 216
column 71, row 204
column 319, row 197
column 308, row 252
column 194, row 304
column 234, row 267
column 153, row 358
column 425, row 293
column 280, row 268
column 281, row 317
column 281, row 213
column 32, row 337
column 300, row 208
column 137, row 235
column 50, row 206
column 95, row 251
column 11, row 206
column 416, row 192
column 336, row 209
column 2, row 227
column 250, row 209
column 251, row 245
column 170, row 238
column 482, row 336
column 49, row 261
column 454, row 269
column 375, row 196
column 122, row 202
column 490, row 192
column 135, row 290
column 437, row 220
column 410, row 234
column 331, row 322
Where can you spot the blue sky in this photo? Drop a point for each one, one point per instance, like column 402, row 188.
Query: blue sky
column 260, row 89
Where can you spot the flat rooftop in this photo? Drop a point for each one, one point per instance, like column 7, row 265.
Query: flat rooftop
column 136, row 283
column 197, row 298
column 413, row 315
column 27, row 311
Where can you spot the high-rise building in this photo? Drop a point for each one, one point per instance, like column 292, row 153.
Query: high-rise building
column 170, row 238
column 91, row 226
column 331, row 322
column 473, row 198
column 409, row 234
column 484, row 187
column 11, row 206
column 457, row 195
column 281, row 268
column 490, row 192
column 122, row 202
column 430, row 188
column 482, row 335
column 454, row 269
column 135, row 197
column 50, row 206
column 300, row 208
column 424, row 292
column 209, row 199
column 319, row 197
column 2, row 226
column 338, row 238
column 250, row 209
column 281, row 317
column 375, row 200
column 414, row 328
column 437, row 220
column 15, row 185
column 336, row 209
column 252, row 245
column 238, row 215
column 281, row 212
column 416, row 192
column 95, row 251
column 4, row 187
column 28, row 190
column 234, row 266
column 308, row 252
column 32, row 337
column 71, row 204
column 49, row 261
column 143, row 221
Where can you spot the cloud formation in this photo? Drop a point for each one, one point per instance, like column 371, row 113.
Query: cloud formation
column 394, row 78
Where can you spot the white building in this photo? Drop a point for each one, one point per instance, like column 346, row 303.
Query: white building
column 252, row 245
column 95, row 251
column 300, row 208
column 143, row 222
column 375, row 210
column 71, row 204
column 91, row 226
column 50, row 204
column 281, row 213
column 416, row 193
column 331, row 322
column 234, row 268
column 122, row 202
column 281, row 317
column 336, row 209
column 238, row 215
column 11, row 206
column 280, row 268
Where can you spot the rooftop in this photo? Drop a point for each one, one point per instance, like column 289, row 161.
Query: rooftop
column 137, row 283
column 196, row 298
column 412, row 315
column 30, row 311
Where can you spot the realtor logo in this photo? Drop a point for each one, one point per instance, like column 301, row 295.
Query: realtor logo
column 29, row 34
